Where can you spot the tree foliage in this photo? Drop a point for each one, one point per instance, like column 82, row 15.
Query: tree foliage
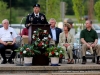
column 5, row 12
column 69, row 7
column 78, row 8
column 43, row 5
column 53, row 9
column 97, row 9
column 24, row 4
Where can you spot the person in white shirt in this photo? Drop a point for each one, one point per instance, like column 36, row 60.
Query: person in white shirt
column 7, row 41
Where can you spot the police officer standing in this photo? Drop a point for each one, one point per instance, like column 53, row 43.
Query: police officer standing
column 36, row 17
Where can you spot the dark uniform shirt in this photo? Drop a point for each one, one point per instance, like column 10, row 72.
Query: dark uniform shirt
column 89, row 36
column 33, row 19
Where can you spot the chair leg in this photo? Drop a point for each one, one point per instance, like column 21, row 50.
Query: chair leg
column 60, row 60
column 75, row 56
column 94, row 54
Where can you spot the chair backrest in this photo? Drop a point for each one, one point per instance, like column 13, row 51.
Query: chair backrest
column 52, row 42
column 72, row 31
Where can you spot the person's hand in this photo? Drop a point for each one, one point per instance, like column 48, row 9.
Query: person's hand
column 66, row 45
column 29, row 24
column 88, row 45
column 93, row 45
column 5, row 43
column 12, row 43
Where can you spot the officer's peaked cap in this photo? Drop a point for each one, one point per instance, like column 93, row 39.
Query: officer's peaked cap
column 36, row 5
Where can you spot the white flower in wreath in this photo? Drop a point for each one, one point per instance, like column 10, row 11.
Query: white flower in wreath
column 57, row 53
column 49, row 36
column 33, row 36
column 42, row 47
column 45, row 31
column 60, row 51
column 21, row 48
column 45, row 38
column 50, row 54
column 34, row 31
column 45, row 45
column 38, row 39
column 24, row 52
column 42, row 43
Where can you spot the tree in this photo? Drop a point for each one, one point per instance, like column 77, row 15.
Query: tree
column 53, row 9
column 5, row 12
column 90, row 9
column 97, row 9
column 69, row 7
column 24, row 4
column 42, row 5
column 78, row 8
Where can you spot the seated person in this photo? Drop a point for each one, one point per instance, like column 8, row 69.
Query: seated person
column 25, row 36
column 89, row 40
column 7, row 41
column 54, row 31
column 66, row 41
column 25, row 33
column 72, row 30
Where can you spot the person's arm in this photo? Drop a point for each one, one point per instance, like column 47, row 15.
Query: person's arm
column 27, row 22
column 61, row 43
column 14, row 35
column 45, row 20
column 14, row 41
column 24, row 36
column 96, row 39
column 82, row 39
column 2, row 42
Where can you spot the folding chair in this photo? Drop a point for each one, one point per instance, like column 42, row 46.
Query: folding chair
column 8, row 53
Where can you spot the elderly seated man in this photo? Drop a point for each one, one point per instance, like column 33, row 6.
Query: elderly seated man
column 7, row 41
column 89, row 40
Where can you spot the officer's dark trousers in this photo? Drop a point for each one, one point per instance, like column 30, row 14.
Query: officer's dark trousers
column 3, row 48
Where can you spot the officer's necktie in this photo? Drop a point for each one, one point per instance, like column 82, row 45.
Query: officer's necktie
column 36, row 15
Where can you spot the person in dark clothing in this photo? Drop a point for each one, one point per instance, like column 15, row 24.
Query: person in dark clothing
column 54, row 31
column 36, row 17
column 89, row 39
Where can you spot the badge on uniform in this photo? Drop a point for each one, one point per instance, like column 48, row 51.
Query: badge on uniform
column 31, row 18
column 42, row 18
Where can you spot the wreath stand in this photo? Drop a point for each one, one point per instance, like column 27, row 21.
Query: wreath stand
column 41, row 59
